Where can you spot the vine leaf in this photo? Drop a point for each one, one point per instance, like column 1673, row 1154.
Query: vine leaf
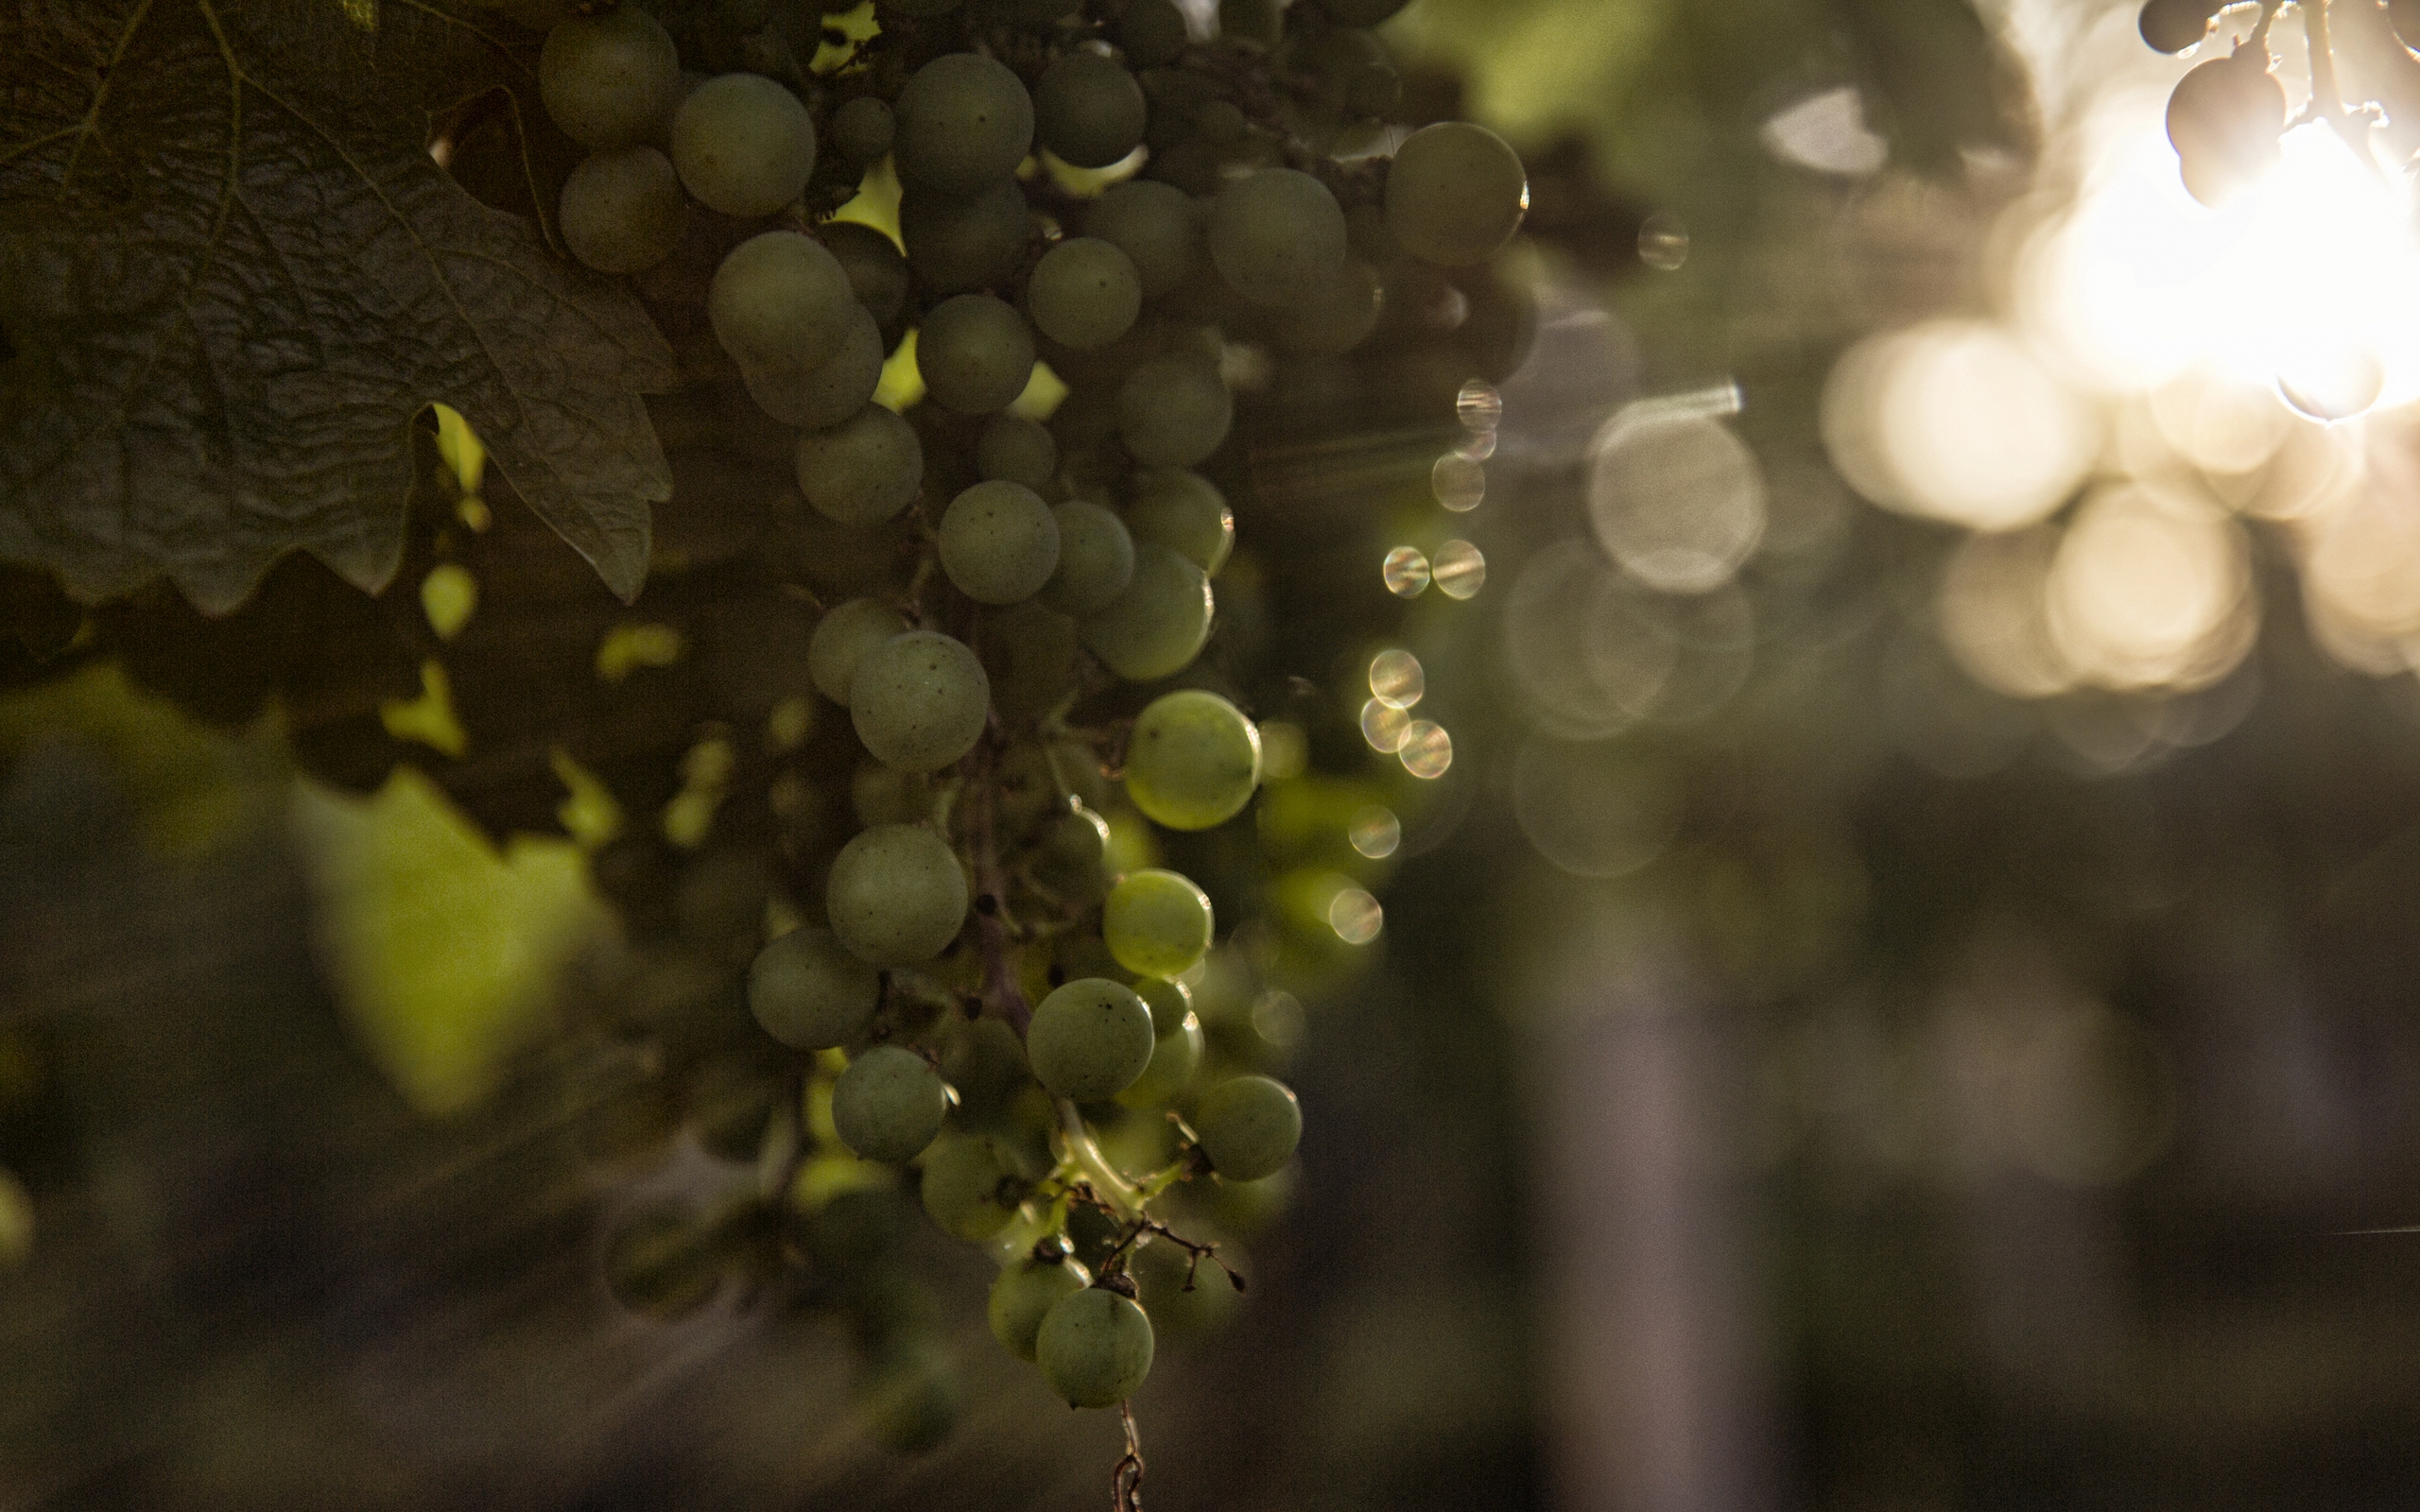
column 232, row 278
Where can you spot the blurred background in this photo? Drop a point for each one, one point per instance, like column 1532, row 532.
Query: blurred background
column 1840, row 882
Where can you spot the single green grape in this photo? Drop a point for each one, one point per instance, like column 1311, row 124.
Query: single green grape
column 1456, row 194
column 825, row 391
column 984, row 1064
column 1276, row 233
column 957, row 244
column 809, row 992
column 847, row 631
column 1176, row 1054
column 1015, row 450
column 1169, row 1001
column 780, row 299
column 861, row 128
column 1095, row 558
column 964, row 122
column 886, row 795
column 1088, row 110
column 1173, row 410
column 918, row 700
column 1158, row 924
column 1185, row 511
column 1023, row 1293
column 1084, row 293
column 896, row 895
column 1334, row 314
column 1068, row 858
column 1192, row 760
column 1152, row 34
column 1029, row 652
column 622, row 210
column 1159, row 624
column 610, row 80
column 888, row 1104
column 864, row 470
column 1090, row 1039
column 1094, row 1346
column 968, row 1189
column 1156, row 225
column 744, row 144
column 1249, row 1127
column 877, row 269
column 998, row 542
column 976, row 354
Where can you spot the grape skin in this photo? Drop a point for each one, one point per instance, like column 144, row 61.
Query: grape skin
column 876, row 269
column 1152, row 34
column 998, row 542
column 1455, row 194
column 1156, row 225
column 1024, row 1295
column 959, row 244
column 809, row 992
column 622, row 210
column 961, row 1189
column 1185, row 512
column 1276, row 233
column 1095, row 1348
column 919, row 700
column 1089, row 110
column 1192, row 761
column 1156, row 924
column 828, row 390
column 1084, row 293
column 610, row 80
column 895, row 895
column 1159, row 624
column 1090, row 1039
column 888, row 1104
column 861, row 129
column 842, row 638
column 864, row 470
column 1095, row 558
column 963, row 122
column 1015, row 450
column 1249, row 1127
column 744, row 144
column 1175, row 1056
column 975, row 353
column 1173, row 411
column 780, row 300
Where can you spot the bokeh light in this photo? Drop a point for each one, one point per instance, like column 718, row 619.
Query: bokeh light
column 1427, row 749
column 1396, row 678
column 1461, row 570
column 1675, row 498
column 1405, row 572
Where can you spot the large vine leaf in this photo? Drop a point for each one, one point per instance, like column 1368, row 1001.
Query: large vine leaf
column 232, row 278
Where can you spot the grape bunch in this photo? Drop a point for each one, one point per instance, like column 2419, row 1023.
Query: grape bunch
column 971, row 983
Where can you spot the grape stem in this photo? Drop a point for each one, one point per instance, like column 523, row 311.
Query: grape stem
column 1112, row 1193
column 1126, row 1481
column 1000, row 987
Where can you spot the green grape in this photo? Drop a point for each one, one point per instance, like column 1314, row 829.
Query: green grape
column 864, row 470
column 809, row 992
column 1170, row 1001
column 1173, row 411
column 895, row 895
column 1192, row 760
column 1455, row 194
column 910, row 1398
column 918, row 700
column 854, row 1230
column 610, row 80
column 1030, row 654
column 1024, row 785
column 861, row 128
column 985, row 1065
column 2172, row 26
column 744, row 144
column 2224, row 120
column 1090, row 1039
column 1276, row 233
column 1084, row 293
column 1095, row 558
column 1160, row 1273
column 622, row 210
column 1152, row 34
column 877, row 271
column 964, row 123
column 1068, row 858
column 886, row 795
column 1159, row 624
column 847, row 631
column 827, row 391
column 1015, row 450
column 1361, row 12
column 1088, row 110
column 1249, row 1127
column 976, row 354
column 998, row 542
column 1156, row 225
column 1158, row 924
column 1023, row 1293
column 1095, row 1348
column 968, row 1189
column 957, row 244
column 779, row 299
column 888, row 1104
column 1185, row 512
column 660, row 1264
column 1176, row 1054
column 1333, row 315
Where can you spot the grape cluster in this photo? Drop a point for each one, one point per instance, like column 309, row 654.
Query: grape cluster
column 973, row 988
